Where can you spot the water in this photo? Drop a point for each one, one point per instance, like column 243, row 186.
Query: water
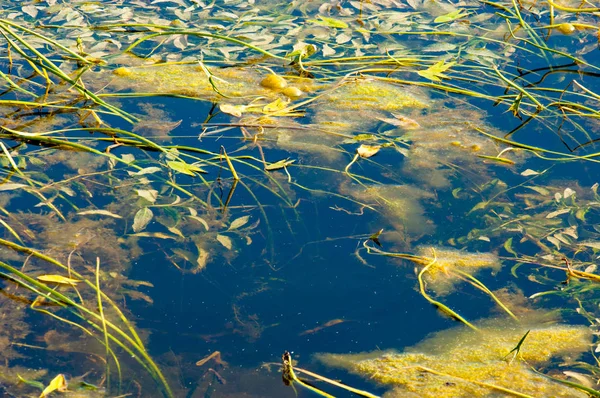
column 288, row 258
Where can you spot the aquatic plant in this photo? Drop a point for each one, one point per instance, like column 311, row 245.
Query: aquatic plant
column 461, row 362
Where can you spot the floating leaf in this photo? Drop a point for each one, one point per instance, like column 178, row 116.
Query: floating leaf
column 149, row 194
column 279, row 165
column 238, row 222
column 331, row 22
column 233, row 110
column 529, row 172
column 141, row 219
column 225, row 241
column 366, row 151
column 185, row 168
column 59, row 383
column 451, row 16
column 61, row 280
column 436, row 72
column 100, row 212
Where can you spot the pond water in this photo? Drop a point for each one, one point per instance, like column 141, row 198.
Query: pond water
column 400, row 194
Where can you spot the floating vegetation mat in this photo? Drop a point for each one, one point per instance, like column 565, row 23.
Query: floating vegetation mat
column 464, row 363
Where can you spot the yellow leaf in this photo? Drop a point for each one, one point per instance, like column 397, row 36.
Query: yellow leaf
column 366, row 151
column 436, row 72
column 59, row 383
column 233, row 110
column 275, row 106
column 331, row 22
column 61, row 280
column 451, row 16
column 185, row 168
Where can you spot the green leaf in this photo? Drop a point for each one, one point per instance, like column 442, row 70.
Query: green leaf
column 436, row 72
column 32, row 383
column 184, row 168
column 451, row 16
column 142, row 219
column 279, row 165
column 331, row 22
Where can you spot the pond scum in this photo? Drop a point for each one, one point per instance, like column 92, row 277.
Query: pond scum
column 305, row 97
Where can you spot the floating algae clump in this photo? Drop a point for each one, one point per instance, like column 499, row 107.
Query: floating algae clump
column 191, row 81
column 450, row 264
column 375, row 95
column 358, row 105
column 461, row 362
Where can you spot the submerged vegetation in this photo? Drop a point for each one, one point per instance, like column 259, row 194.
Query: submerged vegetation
column 196, row 138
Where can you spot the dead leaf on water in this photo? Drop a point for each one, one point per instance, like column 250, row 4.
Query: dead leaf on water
column 366, row 151
column 59, row 383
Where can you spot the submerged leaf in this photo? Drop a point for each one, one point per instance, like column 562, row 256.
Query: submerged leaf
column 331, row 22
column 436, row 72
column 149, row 194
column 225, row 241
column 185, row 168
column 100, row 212
column 11, row 186
column 61, row 280
column 279, row 165
column 557, row 213
column 451, row 16
column 239, row 222
column 141, row 219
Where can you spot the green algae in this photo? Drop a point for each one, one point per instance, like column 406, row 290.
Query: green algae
column 461, row 362
column 193, row 81
column 451, row 266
